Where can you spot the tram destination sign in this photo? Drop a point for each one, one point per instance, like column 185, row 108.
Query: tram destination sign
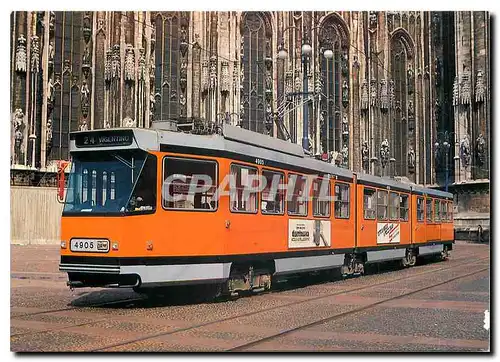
column 104, row 138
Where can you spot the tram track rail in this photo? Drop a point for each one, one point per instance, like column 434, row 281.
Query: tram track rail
column 126, row 301
column 295, row 303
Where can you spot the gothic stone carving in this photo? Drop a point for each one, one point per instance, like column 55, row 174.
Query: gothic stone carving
column 465, row 151
column 465, row 94
column 345, row 156
column 392, row 94
column 373, row 19
column 115, row 62
column 365, row 155
column 204, row 76
column 18, row 128
column 52, row 22
column 129, row 122
column 129, row 64
column 384, row 95
column 455, row 92
column 345, row 126
column 183, row 45
column 107, row 65
column 87, row 27
column 21, row 58
column 213, row 72
column 345, row 94
column 480, row 150
column 142, row 66
column 411, row 159
column 224, row 79
column 365, row 99
column 437, row 71
column 480, row 87
column 384, row 152
column 344, row 63
column 183, row 76
column 410, row 79
column 35, row 54
column 86, row 62
column 85, row 98
column 373, row 98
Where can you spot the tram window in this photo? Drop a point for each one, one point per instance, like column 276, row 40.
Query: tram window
column 243, row 198
column 342, row 198
column 144, row 195
column 428, row 210
column 394, row 206
column 420, row 209
column 450, row 211
column 179, row 189
column 297, row 195
column 437, row 211
column 369, row 203
column 321, row 197
column 444, row 211
column 273, row 195
column 382, row 197
column 403, row 207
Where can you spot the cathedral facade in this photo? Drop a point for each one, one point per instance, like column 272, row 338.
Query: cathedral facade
column 403, row 94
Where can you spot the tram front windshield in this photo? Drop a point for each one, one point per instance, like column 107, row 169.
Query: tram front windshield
column 121, row 181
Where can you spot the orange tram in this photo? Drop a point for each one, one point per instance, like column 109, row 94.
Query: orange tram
column 118, row 231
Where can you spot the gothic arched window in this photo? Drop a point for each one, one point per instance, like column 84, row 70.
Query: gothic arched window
column 257, row 72
column 334, row 73
column 67, row 58
column 167, row 62
column 403, row 115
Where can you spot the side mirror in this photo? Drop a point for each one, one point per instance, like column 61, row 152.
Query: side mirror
column 61, row 180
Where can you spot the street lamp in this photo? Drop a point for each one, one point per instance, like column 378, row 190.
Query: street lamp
column 306, row 51
column 445, row 145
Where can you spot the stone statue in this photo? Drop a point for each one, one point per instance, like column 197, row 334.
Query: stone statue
column 345, row 93
column 50, row 92
column 83, row 126
column 481, row 150
column 410, row 79
column 51, row 52
column 373, row 19
column 18, row 128
column 365, row 155
column 384, row 95
column 345, row 156
column 129, row 122
column 345, row 125
column 384, row 152
column 85, row 98
column 411, row 158
column 465, row 151
column 411, row 111
column 365, row 99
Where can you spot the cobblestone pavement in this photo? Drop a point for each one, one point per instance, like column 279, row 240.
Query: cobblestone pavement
column 435, row 306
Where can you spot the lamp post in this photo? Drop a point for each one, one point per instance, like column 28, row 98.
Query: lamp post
column 306, row 51
column 444, row 143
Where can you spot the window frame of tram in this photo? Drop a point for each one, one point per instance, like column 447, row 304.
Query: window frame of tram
column 239, row 197
column 382, row 204
column 420, row 209
column 437, row 210
column 296, row 204
column 280, row 193
column 369, row 203
column 403, row 207
column 214, row 176
column 429, row 214
column 321, row 206
column 342, row 206
column 100, row 187
column 394, row 201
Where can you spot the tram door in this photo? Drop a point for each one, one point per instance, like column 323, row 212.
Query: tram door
column 418, row 219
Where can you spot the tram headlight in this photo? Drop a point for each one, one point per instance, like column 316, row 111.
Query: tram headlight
column 63, row 244
column 114, row 246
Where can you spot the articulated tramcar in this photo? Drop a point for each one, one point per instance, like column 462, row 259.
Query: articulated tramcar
column 131, row 220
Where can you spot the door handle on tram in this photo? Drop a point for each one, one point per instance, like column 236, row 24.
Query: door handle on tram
column 228, row 224
column 362, row 227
